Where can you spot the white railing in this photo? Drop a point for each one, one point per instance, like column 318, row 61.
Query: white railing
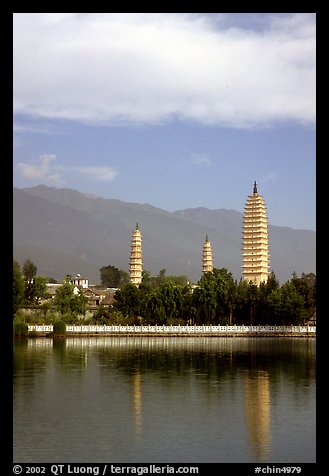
column 94, row 329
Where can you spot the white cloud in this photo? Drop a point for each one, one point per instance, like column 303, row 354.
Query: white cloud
column 46, row 171
column 104, row 174
column 40, row 128
column 148, row 68
column 200, row 159
column 40, row 170
column 269, row 177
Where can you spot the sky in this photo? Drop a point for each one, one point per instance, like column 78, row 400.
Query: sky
column 177, row 110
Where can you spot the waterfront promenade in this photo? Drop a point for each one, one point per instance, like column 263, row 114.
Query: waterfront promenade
column 229, row 331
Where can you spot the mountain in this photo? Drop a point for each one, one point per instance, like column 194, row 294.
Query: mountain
column 64, row 232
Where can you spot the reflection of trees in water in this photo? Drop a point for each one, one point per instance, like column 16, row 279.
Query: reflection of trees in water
column 218, row 368
column 35, row 357
column 218, row 364
column 293, row 358
column 212, row 357
column 29, row 360
column 168, row 359
column 70, row 355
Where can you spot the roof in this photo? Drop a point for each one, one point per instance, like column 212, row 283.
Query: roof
column 108, row 300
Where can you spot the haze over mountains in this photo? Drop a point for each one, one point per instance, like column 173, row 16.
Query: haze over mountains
column 65, row 232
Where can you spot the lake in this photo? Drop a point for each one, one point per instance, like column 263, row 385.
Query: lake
column 165, row 400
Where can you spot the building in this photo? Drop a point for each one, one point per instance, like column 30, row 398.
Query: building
column 207, row 264
column 52, row 288
column 255, row 251
column 80, row 281
column 136, row 263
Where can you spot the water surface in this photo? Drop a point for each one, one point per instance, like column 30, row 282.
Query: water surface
column 164, row 400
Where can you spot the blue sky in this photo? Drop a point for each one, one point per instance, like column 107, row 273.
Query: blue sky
column 175, row 110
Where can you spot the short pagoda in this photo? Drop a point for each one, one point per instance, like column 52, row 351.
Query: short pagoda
column 136, row 263
column 207, row 264
column 255, row 251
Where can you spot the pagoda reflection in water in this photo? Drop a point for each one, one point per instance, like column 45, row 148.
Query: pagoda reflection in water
column 257, row 412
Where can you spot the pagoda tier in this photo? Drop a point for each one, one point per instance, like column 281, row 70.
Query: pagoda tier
column 255, row 237
column 207, row 264
column 136, row 263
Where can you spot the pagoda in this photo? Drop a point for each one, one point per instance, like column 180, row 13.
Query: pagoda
column 255, row 251
column 136, row 264
column 207, row 264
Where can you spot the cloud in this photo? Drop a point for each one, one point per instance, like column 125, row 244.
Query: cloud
column 40, row 170
column 46, row 171
column 149, row 68
column 200, row 159
column 104, row 174
column 269, row 177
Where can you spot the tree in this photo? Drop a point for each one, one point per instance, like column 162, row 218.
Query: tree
column 29, row 273
column 18, row 287
column 252, row 302
column 113, row 277
column 67, row 302
column 38, row 289
column 128, row 300
column 242, row 311
column 287, row 306
column 152, row 308
column 161, row 278
column 163, row 304
column 79, row 303
column 226, row 291
column 246, row 303
column 179, row 280
column 156, row 281
column 29, row 270
column 306, row 287
column 263, row 312
column 214, row 298
column 187, row 312
column 146, row 278
column 271, row 284
column 170, row 297
column 63, row 296
column 205, row 299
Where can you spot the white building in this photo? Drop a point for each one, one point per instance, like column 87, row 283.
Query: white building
column 80, row 281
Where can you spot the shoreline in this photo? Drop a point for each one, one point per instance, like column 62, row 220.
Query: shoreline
column 232, row 336
column 176, row 331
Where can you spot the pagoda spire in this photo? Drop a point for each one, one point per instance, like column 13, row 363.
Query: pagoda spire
column 255, row 188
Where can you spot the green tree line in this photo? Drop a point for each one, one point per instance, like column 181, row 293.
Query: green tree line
column 219, row 299
column 216, row 299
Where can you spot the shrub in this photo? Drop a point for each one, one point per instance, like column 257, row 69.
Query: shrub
column 69, row 318
column 59, row 327
column 53, row 317
column 102, row 321
column 20, row 329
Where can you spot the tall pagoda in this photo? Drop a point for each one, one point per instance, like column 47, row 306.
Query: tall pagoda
column 207, row 264
column 255, row 251
column 136, row 264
